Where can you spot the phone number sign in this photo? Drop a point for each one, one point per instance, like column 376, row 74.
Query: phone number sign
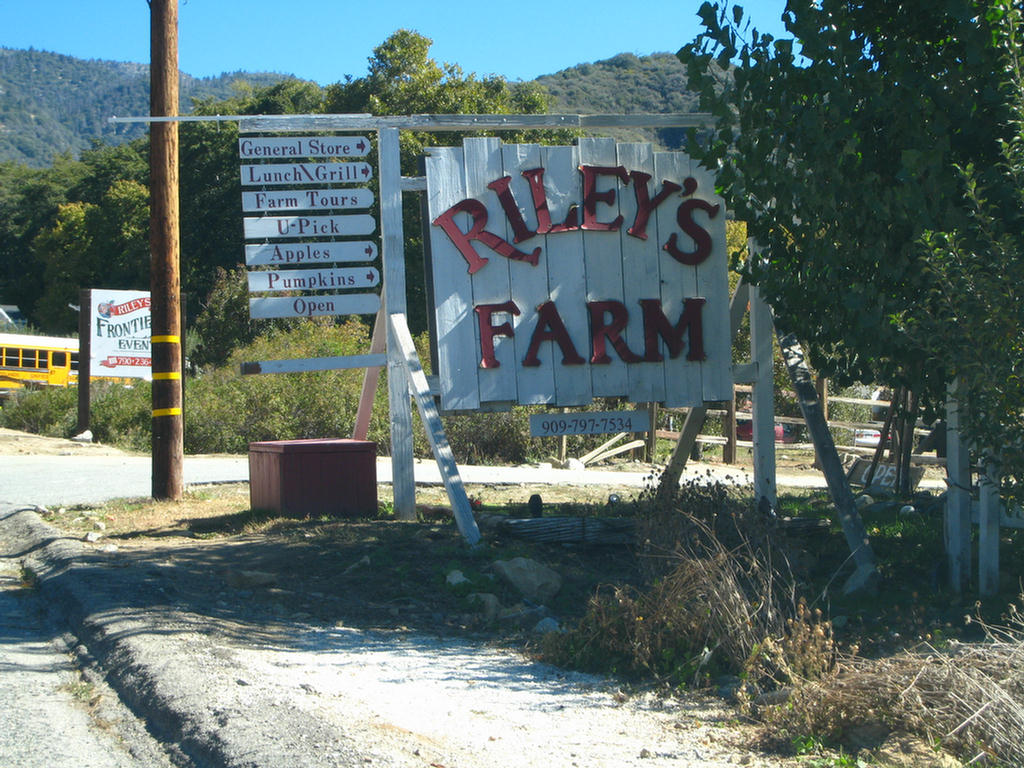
column 589, row 423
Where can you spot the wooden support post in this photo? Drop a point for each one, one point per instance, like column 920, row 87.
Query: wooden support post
column 378, row 343
column 763, row 398
column 651, row 448
column 865, row 577
column 669, row 482
column 84, row 362
column 165, row 308
column 729, row 430
column 988, row 533
column 958, row 497
column 400, row 341
column 393, row 259
column 821, row 385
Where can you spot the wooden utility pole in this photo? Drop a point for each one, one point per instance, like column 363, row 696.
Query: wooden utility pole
column 168, row 427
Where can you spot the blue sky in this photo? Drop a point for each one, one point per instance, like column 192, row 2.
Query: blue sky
column 324, row 40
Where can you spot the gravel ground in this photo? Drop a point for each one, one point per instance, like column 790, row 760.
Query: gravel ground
column 221, row 679
column 256, row 690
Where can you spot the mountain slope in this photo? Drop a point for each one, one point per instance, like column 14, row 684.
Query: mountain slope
column 51, row 103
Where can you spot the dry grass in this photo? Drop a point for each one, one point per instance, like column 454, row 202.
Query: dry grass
column 717, row 599
column 968, row 697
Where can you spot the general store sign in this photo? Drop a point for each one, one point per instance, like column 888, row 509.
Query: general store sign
column 119, row 337
column 561, row 274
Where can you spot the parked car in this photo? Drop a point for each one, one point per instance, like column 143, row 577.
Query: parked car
column 784, row 433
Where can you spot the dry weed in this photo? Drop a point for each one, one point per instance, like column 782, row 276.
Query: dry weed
column 968, row 697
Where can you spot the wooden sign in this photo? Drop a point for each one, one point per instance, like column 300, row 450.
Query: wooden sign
column 296, row 227
column 306, row 199
column 269, row 174
column 284, row 147
column 314, row 306
column 561, row 274
column 313, row 279
column 301, row 254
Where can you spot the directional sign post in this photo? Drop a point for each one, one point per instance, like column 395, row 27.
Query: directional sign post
column 308, row 240
column 313, row 279
column 283, row 147
column 306, row 173
column 297, row 254
column 268, row 227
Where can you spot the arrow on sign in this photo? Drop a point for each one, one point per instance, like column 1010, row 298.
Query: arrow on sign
column 369, row 250
column 366, row 170
column 360, row 146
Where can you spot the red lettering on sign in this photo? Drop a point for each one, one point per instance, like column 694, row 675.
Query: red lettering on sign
column 644, row 205
column 488, row 330
column 508, row 204
column 600, row 331
column 551, row 328
column 701, row 237
column 657, row 325
column 591, row 197
column 464, row 240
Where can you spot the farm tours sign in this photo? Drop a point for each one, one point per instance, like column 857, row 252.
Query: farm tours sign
column 560, row 274
column 119, row 338
column 306, row 211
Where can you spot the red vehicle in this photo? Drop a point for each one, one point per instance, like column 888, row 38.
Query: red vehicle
column 784, row 433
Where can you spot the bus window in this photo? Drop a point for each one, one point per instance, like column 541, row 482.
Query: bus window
column 11, row 357
column 59, row 359
column 33, row 358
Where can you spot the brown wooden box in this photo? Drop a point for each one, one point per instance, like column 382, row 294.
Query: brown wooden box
column 314, row 477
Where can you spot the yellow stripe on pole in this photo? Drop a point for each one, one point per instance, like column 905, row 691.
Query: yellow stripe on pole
column 170, row 376
column 167, row 412
column 166, row 339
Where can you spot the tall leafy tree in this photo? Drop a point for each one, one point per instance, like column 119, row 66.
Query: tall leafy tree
column 402, row 79
column 848, row 149
column 975, row 311
column 840, row 149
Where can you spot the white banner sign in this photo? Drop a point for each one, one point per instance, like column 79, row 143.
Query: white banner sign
column 561, row 274
column 306, row 199
column 119, row 338
column 283, row 147
column 313, row 306
column 270, row 227
column 295, row 254
column 313, row 279
column 267, row 174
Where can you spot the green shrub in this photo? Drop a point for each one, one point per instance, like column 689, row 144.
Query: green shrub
column 52, row 411
column 121, row 414
column 225, row 411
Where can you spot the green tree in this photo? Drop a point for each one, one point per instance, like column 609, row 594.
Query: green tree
column 92, row 245
column 29, row 203
column 403, row 79
column 975, row 317
column 839, row 149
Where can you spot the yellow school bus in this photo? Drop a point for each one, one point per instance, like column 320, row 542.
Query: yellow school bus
column 46, row 361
